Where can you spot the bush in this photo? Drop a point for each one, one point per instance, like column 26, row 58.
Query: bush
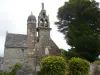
column 53, row 65
column 16, row 67
column 1, row 73
column 4, row 73
column 78, row 66
column 14, row 70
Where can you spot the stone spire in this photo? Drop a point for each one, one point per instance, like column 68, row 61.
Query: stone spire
column 42, row 6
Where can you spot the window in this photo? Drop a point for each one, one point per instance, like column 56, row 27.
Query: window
column 41, row 22
column 23, row 50
column 46, row 23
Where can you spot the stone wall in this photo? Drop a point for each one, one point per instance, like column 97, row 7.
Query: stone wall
column 45, row 46
column 1, row 63
column 12, row 56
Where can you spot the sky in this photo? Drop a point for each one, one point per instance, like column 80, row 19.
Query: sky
column 14, row 14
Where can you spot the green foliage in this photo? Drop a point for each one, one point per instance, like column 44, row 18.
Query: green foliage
column 97, row 62
column 63, row 53
column 68, row 54
column 14, row 70
column 78, row 12
column 86, row 42
column 3, row 73
column 71, row 53
column 16, row 67
column 79, row 21
column 78, row 66
column 53, row 65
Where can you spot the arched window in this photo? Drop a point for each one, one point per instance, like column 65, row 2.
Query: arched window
column 41, row 22
column 46, row 23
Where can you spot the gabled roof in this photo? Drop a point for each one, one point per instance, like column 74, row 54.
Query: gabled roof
column 16, row 40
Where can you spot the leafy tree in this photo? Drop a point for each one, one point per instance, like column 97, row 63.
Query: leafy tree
column 68, row 54
column 79, row 21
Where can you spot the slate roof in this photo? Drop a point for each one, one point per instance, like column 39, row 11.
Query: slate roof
column 31, row 17
column 16, row 40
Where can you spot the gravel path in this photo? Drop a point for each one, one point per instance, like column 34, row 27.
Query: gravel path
column 92, row 67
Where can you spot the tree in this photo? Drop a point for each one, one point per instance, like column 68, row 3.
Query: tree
column 68, row 54
column 63, row 53
column 79, row 21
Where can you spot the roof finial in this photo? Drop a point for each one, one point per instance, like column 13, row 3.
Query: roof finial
column 42, row 6
column 31, row 13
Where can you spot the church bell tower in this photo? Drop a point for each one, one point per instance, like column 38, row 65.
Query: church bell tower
column 43, row 25
column 43, row 19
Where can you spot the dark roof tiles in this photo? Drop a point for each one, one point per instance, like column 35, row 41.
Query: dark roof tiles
column 16, row 40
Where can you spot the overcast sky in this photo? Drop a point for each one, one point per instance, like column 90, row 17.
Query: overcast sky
column 14, row 14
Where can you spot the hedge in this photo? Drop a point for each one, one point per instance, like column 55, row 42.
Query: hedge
column 53, row 65
column 78, row 66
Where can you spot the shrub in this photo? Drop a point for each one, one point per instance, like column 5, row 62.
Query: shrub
column 78, row 66
column 14, row 70
column 16, row 67
column 1, row 73
column 53, row 65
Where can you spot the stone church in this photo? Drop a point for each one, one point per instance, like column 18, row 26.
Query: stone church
column 30, row 48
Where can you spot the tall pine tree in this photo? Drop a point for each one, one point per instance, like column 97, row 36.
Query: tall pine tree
column 79, row 21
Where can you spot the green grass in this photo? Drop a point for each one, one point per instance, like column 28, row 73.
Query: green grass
column 97, row 62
